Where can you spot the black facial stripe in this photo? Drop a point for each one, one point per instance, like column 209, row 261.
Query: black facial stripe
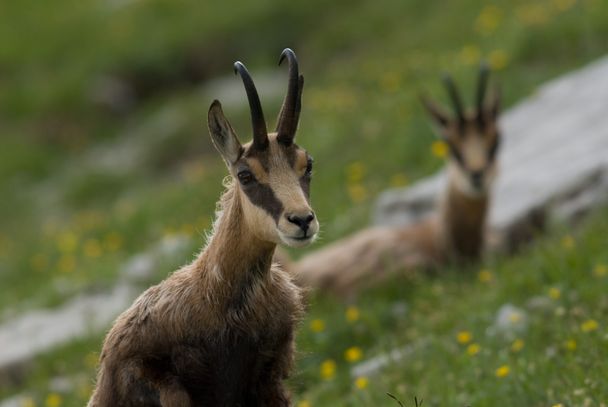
column 494, row 149
column 305, row 185
column 455, row 153
column 262, row 196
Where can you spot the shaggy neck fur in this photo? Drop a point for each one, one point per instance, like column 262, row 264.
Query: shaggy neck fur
column 462, row 223
column 234, row 257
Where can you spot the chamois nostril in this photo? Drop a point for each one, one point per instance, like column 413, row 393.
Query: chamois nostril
column 302, row 221
column 476, row 178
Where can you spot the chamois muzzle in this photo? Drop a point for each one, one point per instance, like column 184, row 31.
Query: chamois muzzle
column 302, row 221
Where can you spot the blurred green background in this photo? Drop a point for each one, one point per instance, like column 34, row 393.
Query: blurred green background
column 104, row 152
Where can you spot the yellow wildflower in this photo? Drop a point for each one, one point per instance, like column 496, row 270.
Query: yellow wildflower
column 554, row 293
column 66, row 264
column 532, row 14
column 390, row 81
column 27, row 402
column 112, row 241
column 193, row 171
column 515, row 317
column 498, row 59
column 469, row 55
column 361, row 382
column 353, row 354
column 67, row 242
column 187, row 229
column 473, row 349
column 464, row 337
column 328, row 369
column 355, row 172
column 439, row 149
column 357, row 192
column 563, row 5
column 304, row 403
column 39, row 262
column 398, row 180
column 600, row 270
column 570, row 345
column 169, row 231
column 503, row 371
column 488, row 20
column 90, row 360
column 558, row 405
column 352, row 314
column 589, row 325
column 517, row 345
column 568, row 242
column 317, row 325
column 53, row 400
column 485, row 276
column 125, row 207
column 92, row 248
column 85, row 389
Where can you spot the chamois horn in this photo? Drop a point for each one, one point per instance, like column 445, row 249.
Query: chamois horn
column 454, row 97
column 260, row 134
column 287, row 123
column 482, row 84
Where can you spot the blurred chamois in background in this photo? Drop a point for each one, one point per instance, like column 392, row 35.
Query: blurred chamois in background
column 454, row 233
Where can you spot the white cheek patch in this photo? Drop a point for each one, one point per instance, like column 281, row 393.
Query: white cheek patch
column 261, row 222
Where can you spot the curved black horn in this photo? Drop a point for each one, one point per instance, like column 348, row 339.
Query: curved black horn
column 290, row 110
column 482, row 84
column 260, row 134
column 454, row 97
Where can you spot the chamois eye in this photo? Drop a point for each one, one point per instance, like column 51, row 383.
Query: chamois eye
column 245, row 177
column 493, row 149
column 308, row 171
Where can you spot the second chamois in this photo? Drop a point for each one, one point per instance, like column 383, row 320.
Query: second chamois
column 455, row 232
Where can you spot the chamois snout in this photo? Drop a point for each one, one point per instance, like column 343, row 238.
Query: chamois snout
column 477, row 179
column 302, row 221
column 298, row 228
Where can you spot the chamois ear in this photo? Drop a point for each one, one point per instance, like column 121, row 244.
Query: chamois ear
column 439, row 116
column 223, row 135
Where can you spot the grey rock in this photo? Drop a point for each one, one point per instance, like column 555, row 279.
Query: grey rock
column 139, row 267
column 510, row 321
column 61, row 384
column 113, row 94
column 375, row 364
column 554, row 160
column 541, row 303
column 38, row 331
column 15, row 401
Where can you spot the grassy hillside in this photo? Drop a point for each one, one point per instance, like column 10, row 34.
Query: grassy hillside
column 89, row 178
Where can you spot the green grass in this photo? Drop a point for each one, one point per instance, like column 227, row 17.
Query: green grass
column 559, row 288
column 68, row 222
column 561, row 357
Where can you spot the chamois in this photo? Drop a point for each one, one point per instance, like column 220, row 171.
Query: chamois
column 454, row 232
column 220, row 331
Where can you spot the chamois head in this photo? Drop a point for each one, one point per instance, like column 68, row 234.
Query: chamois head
column 472, row 136
column 273, row 172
